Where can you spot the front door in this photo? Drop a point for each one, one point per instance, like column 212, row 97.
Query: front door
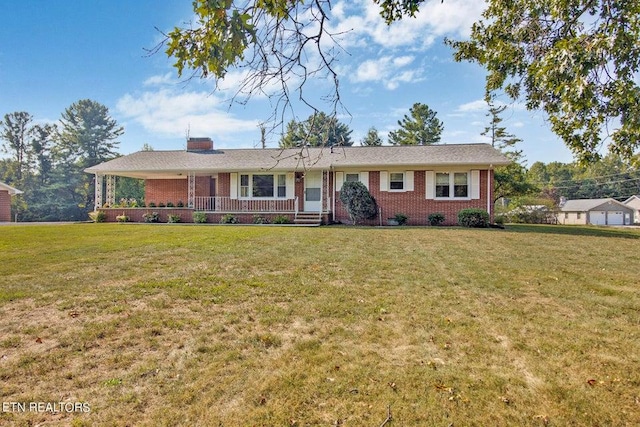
column 313, row 191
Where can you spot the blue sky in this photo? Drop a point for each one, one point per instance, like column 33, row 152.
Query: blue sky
column 53, row 53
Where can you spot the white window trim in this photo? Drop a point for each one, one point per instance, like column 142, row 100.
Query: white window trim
column 235, row 186
column 470, row 185
column 407, row 181
column 341, row 178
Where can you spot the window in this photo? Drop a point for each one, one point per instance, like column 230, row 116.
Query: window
column 244, row 185
column 396, row 181
column 282, row 186
column 263, row 185
column 352, row 177
column 442, row 184
column 460, row 185
column 578, row 215
column 452, row 185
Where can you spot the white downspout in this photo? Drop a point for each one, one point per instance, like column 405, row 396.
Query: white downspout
column 333, row 198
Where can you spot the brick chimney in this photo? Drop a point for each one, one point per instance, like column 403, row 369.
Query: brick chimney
column 199, row 144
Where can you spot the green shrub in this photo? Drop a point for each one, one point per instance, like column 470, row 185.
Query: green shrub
column 161, row 205
column 151, row 217
column 199, row 217
column 358, row 202
column 401, row 218
column 228, row 219
column 98, row 216
column 477, row 218
column 281, row 219
column 180, row 204
column 436, row 219
column 259, row 219
column 170, row 204
column 499, row 219
column 173, row 218
column 152, row 205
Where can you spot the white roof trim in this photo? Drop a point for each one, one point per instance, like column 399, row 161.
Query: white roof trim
column 10, row 189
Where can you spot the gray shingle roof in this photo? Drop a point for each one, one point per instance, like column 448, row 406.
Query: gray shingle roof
column 585, row 205
column 147, row 163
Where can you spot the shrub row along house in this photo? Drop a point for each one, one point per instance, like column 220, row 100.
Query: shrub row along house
column 303, row 183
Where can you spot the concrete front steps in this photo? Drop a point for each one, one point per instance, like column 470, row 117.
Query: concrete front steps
column 308, row 218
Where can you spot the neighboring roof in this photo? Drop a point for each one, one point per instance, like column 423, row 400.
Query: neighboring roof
column 585, row 205
column 632, row 199
column 10, row 189
column 144, row 163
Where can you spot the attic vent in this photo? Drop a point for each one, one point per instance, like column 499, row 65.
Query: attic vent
column 199, row 144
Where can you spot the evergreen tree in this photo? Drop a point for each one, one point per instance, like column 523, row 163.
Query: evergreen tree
column 420, row 127
column 16, row 131
column 510, row 180
column 372, row 138
column 319, row 130
column 87, row 136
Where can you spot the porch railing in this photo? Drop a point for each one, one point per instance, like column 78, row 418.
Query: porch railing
column 227, row 204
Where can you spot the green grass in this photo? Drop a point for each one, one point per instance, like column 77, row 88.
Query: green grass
column 204, row 325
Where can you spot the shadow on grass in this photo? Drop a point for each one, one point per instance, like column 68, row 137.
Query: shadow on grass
column 576, row 230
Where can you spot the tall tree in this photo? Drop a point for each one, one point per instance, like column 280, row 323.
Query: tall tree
column 41, row 146
column 87, row 136
column 420, row 127
column 16, row 130
column 319, row 130
column 510, row 180
column 372, row 138
column 576, row 59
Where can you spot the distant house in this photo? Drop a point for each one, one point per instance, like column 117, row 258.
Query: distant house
column 634, row 203
column 595, row 212
column 304, row 183
column 6, row 191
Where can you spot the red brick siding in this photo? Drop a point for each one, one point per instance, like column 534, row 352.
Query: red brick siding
column 224, row 184
column 166, row 190
column 5, row 206
column 413, row 203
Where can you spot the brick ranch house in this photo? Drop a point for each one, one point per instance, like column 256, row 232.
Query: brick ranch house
column 304, row 183
column 6, row 191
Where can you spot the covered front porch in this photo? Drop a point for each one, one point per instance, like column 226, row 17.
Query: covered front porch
column 302, row 195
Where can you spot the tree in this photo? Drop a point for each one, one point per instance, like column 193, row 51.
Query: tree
column 319, row 130
column 88, row 133
column 358, row 202
column 421, row 127
column 576, row 60
column 16, row 131
column 510, row 180
column 372, row 138
column 86, row 136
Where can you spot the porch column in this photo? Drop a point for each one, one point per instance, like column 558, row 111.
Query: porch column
column 98, row 200
column 191, row 197
column 111, row 190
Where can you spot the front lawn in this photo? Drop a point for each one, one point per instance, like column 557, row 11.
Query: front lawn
column 236, row 326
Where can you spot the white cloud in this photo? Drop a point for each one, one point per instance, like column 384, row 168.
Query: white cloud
column 358, row 20
column 387, row 70
column 159, row 80
column 170, row 113
column 473, row 106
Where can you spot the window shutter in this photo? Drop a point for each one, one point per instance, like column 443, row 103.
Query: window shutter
column 408, row 177
column 233, row 190
column 339, row 180
column 384, row 181
column 364, row 178
column 475, row 184
column 430, row 184
column 291, row 184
